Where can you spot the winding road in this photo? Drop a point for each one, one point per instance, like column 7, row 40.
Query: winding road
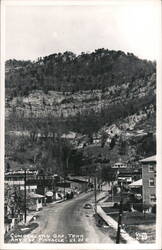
column 68, row 222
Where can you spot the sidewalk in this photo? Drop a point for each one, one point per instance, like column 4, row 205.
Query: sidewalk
column 101, row 195
column 57, row 201
column 111, row 222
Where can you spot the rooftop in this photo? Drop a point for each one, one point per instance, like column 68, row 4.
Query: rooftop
column 35, row 196
column 136, row 183
column 149, row 159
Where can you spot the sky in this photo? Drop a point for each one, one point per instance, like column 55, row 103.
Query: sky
column 37, row 31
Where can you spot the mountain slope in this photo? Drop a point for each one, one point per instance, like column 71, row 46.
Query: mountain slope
column 104, row 93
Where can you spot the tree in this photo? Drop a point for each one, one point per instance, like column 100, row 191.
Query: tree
column 66, row 151
column 122, row 146
column 14, row 200
column 104, row 137
column 112, row 143
column 68, row 72
column 76, row 161
column 107, row 174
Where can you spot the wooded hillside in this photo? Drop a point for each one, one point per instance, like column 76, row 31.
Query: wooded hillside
column 68, row 72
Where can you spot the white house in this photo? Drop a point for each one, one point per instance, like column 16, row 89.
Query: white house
column 119, row 165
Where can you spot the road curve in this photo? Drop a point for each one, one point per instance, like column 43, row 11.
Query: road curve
column 67, row 222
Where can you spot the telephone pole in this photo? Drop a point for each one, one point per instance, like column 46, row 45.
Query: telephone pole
column 120, row 217
column 95, row 195
column 64, row 188
column 25, row 195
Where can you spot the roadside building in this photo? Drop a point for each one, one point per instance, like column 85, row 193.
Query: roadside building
column 136, row 188
column 75, row 185
column 149, row 180
column 79, row 183
column 124, row 180
column 47, row 183
column 124, row 177
column 35, row 201
column 127, row 175
column 17, row 179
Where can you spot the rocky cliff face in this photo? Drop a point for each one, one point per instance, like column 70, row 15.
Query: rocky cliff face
column 64, row 104
column 105, row 96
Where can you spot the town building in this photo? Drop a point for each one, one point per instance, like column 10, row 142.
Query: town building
column 77, row 184
column 136, row 188
column 17, row 179
column 149, row 180
column 119, row 165
column 35, row 201
column 127, row 175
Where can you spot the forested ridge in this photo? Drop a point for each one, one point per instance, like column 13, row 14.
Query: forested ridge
column 69, row 72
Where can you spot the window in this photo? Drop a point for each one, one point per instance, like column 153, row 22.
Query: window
column 151, row 168
column 151, row 182
column 39, row 200
column 153, row 198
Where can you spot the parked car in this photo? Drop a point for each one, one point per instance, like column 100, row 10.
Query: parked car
column 87, row 206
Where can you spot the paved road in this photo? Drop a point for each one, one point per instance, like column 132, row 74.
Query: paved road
column 68, row 222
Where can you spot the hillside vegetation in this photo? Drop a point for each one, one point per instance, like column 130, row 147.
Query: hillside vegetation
column 68, row 72
column 106, row 94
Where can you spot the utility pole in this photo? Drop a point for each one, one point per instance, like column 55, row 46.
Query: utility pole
column 112, row 192
column 53, row 189
column 120, row 217
column 25, row 195
column 95, row 195
column 44, row 188
column 64, row 187
column 65, row 173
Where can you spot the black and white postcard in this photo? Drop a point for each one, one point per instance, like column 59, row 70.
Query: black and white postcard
column 81, row 144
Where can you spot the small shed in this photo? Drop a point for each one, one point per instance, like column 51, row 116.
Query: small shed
column 35, row 201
